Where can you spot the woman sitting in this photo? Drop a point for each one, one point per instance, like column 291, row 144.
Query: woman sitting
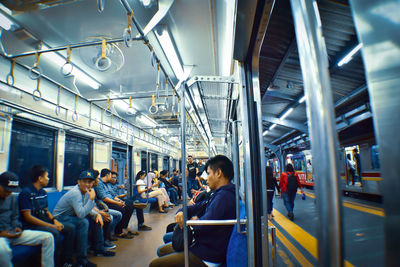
column 152, row 192
column 152, row 179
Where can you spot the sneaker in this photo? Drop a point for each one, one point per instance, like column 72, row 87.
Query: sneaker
column 138, row 205
column 144, row 227
column 109, row 245
column 104, row 253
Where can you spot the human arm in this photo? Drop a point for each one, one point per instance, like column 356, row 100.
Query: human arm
column 17, row 232
column 299, row 184
column 80, row 208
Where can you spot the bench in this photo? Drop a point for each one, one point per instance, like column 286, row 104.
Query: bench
column 21, row 252
column 142, row 200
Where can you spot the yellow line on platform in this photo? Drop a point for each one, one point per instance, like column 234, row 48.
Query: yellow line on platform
column 295, row 252
column 306, row 240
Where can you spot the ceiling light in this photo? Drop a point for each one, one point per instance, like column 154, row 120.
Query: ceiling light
column 147, row 3
column 350, row 55
column 286, row 114
column 302, row 99
column 78, row 73
column 272, row 126
column 6, row 23
column 171, row 54
column 265, row 133
column 146, row 121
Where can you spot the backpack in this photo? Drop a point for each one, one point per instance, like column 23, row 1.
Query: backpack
column 291, row 183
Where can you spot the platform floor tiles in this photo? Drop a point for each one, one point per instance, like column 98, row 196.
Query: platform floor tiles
column 139, row 251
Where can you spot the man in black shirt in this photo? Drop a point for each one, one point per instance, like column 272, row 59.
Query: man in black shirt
column 191, row 170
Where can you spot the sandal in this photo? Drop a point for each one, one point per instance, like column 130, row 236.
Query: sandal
column 163, row 211
column 125, row 236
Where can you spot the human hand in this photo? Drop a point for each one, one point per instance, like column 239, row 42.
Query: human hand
column 99, row 220
column 59, row 226
column 122, row 186
column 179, row 219
column 91, row 194
column 106, row 216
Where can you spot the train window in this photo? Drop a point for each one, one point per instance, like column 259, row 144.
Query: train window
column 154, row 161
column 143, row 161
column 119, row 162
column 31, row 145
column 375, row 157
column 77, row 157
column 166, row 163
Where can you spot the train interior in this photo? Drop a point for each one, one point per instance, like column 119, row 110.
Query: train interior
column 139, row 85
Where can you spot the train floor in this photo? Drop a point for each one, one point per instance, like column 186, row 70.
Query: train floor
column 362, row 228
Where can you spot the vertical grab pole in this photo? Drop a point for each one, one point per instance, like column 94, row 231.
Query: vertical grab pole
column 235, row 157
column 183, row 168
column 273, row 242
column 320, row 113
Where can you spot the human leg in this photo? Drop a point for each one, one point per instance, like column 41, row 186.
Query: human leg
column 117, row 216
column 270, row 195
column 168, row 237
column 5, row 253
column 33, row 238
column 57, row 244
column 286, row 202
column 170, row 258
column 160, row 198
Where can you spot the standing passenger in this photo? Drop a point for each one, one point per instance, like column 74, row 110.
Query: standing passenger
column 35, row 215
column 271, row 184
column 191, row 170
column 10, row 227
column 73, row 207
column 357, row 163
column 288, row 184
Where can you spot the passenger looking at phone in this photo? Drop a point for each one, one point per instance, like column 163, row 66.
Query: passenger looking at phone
column 73, row 207
column 11, row 233
column 35, row 215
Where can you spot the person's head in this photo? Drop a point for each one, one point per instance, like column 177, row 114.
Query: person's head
column 9, row 183
column 163, row 173
column 140, row 175
column 289, row 167
column 39, row 175
column 190, row 159
column 175, row 172
column 96, row 176
column 200, row 161
column 105, row 174
column 220, row 171
column 269, row 172
column 114, row 177
column 156, row 174
column 85, row 181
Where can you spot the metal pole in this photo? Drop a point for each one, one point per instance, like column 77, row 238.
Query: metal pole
column 184, row 182
column 377, row 28
column 273, row 241
column 235, row 157
column 320, row 113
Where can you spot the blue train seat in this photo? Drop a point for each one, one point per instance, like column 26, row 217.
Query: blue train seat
column 142, row 200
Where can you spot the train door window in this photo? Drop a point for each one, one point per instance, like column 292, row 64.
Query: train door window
column 375, row 157
column 154, row 162
column 31, row 145
column 166, row 163
column 353, row 171
column 119, row 162
column 77, row 157
column 143, row 161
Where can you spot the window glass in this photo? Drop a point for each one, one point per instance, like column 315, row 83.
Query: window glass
column 143, row 159
column 77, row 158
column 154, row 161
column 31, row 145
column 375, row 157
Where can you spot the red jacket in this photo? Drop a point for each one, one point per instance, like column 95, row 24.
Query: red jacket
column 284, row 178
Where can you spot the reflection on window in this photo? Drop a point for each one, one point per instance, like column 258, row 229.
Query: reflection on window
column 375, row 157
column 77, row 158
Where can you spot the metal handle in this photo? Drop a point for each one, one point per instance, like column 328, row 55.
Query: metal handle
column 235, row 157
column 216, row 222
column 273, row 241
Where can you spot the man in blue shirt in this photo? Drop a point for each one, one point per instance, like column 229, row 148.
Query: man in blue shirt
column 35, row 215
column 73, row 207
column 10, row 227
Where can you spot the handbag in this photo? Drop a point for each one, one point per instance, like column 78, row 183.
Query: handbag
column 178, row 240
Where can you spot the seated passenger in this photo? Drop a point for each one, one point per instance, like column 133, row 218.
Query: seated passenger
column 35, row 215
column 10, row 227
column 171, row 189
column 73, row 207
column 176, row 181
column 118, row 189
column 211, row 242
column 152, row 179
column 157, row 193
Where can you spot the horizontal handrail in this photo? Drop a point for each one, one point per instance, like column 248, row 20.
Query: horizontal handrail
column 215, row 222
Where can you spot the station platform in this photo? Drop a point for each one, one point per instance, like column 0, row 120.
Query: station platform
column 362, row 228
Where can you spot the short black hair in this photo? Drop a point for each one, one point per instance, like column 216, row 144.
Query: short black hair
column 199, row 174
column 190, row 156
column 223, row 163
column 37, row 171
column 289, row 167
column 116, row 173
column 140, row 173
column 164, row 172
column 174, row 170
column 104, row 172
column 95, row 173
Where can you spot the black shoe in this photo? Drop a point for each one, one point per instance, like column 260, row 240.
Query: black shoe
column 86, row 263
column 291, row 216
column 144, row 227
column 105, row 253
column 113, row 238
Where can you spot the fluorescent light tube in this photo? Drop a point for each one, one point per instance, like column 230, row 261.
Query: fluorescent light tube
column 79, row 74
column 272, row 126
column 5, row 22
column 170, row 52
column 302, row 99
column 147, row 121
column 286, row 114
column 350, row 55
column 265, row 133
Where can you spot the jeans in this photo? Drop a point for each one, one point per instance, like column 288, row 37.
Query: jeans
column 139, row 212
column 116, row 218
column 192, row 184
column 29, row 238
column 63, row 251
column 169, row 257
column 173, row 195
column 288, row 200
column 81, row 227
column 126, row 216
column 270, row 196
column 98, row 235
column 168, row 237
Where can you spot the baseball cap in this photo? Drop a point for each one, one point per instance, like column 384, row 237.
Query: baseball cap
column 85, row 175
column 9, row 181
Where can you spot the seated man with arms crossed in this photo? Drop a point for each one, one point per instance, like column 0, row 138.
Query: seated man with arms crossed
column 211, row 242
column 73, row 207
column 10, row 227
